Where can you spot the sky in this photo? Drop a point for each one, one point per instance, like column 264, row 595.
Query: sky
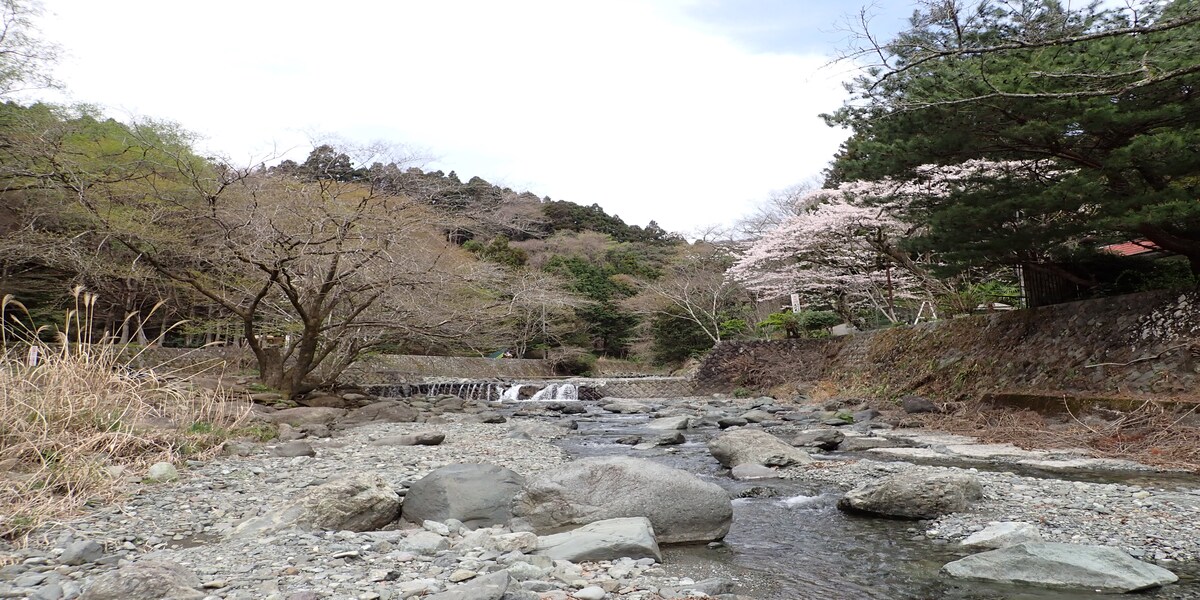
column 687, row 112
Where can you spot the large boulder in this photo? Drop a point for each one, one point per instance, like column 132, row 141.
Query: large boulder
column 631, row 537
column 356, row 503
column 1055, row 565
column 387, row 411
column 479, row 495
column 680, row 506
column 754, row 446
column 914, row 495
column 625, row 407
column 825, row 439
column 145, row 580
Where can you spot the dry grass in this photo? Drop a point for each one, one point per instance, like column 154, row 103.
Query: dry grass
column 78, row 422
column 1152, row 434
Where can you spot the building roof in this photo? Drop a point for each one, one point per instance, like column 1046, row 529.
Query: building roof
column 1131, row 248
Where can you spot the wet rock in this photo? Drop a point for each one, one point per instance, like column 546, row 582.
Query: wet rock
column 748, row 471
column 670, row 439
column 727, row 422
column 478, row 495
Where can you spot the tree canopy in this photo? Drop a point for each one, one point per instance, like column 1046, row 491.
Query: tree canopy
column 1104, row 98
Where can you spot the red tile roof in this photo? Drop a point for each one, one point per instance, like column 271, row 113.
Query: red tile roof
column 1131, row 248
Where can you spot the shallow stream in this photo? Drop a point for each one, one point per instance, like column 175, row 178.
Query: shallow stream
column 797, row 545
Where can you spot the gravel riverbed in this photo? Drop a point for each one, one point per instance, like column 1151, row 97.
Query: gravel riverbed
column 186, row 522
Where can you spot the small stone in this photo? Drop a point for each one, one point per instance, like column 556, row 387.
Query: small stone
column 294, row 448
column 81, row 552
column 162, row 472
column 592, row 592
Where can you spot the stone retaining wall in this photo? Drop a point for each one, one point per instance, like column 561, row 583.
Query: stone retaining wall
column 1136, row 346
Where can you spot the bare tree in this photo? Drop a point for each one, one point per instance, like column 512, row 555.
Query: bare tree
column 693, row 286
column 24, row 59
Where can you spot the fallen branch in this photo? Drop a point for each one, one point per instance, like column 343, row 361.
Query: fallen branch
column 1137, row 360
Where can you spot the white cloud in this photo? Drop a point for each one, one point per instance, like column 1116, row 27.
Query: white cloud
column 623, row 103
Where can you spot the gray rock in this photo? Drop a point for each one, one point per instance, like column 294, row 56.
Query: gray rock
column 161, row 471
column 914, row 495
column 757, row 416
column 610, row 539
column 629, row 440
column 295, row 448
column 83, row 551
column 1001, row 535
column 421, row 438
column 825, row 439
column 626, row 407
column 917, row 404
column 681, row 507
column 1055, row 565
column 357, row 503
column 423, row 542
column 489, row 416
column 669, row 423
column 387, row 411
column 478, row 495
column 727, row 422
column 591, row 592
column 305, row 415
column 146, row 580
column 858, row 444
column 486, row 587
column 670, row 439
column 753, row 446
column 748, row 471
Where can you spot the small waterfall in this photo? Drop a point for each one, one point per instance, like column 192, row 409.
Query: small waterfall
column 512, row 394
column 566, row 391
column 556, row 391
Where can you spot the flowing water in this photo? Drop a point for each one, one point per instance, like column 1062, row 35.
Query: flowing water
column 797, row 545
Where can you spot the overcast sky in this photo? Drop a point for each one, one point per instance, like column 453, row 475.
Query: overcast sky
column 684, row 111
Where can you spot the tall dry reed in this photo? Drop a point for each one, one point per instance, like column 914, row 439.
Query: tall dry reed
column 76, row 423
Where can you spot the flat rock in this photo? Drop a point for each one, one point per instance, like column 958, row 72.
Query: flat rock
column 610, row 539
column 486, row 587
column 145, row 580
column 293, row 449
column 669, row 423
column 1003, row 534
column 304, row 415
column 1054, row 565
column 825, row 439
column 752, row 471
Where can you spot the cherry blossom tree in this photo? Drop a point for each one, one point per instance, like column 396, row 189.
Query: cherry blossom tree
column 843, row 247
